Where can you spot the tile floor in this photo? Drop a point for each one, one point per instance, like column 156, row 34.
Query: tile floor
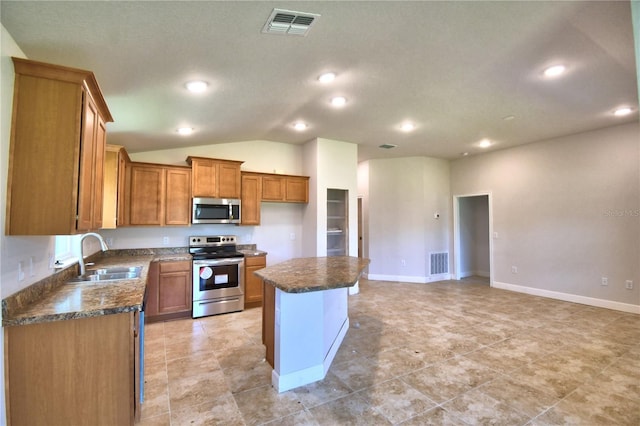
column 447, row 353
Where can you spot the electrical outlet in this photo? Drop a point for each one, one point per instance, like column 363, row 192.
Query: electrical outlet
column 109, row 242
column 292, row 236
column 629, row 285
column 52, row 261
column 605, row 281
column 165, row 241
column 32, row 270
column 514, row 269
column 403, row 262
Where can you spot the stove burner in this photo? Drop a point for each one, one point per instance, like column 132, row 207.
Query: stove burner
column 213, row 247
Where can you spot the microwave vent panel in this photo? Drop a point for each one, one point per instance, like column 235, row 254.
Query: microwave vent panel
column 289, row 22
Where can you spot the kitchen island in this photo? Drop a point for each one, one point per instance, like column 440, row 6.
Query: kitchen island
column 305, row 315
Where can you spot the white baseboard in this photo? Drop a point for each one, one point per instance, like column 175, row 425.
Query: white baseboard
column 567, row 297
column 408, row 278
column 295, row 379
column 483, row 274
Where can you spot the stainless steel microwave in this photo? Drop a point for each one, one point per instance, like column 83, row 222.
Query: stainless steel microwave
column 215, row 210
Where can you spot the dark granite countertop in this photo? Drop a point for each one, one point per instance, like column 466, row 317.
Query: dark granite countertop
column 56, row 298
column 308, row 274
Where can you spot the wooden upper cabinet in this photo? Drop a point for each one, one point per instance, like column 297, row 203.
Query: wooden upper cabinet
column 273, row 188
column 251, row 193
column 159, row 195
column 214, row 178
column 147, row 195
column 56, row 153
column 285, row 188
column 297, row 189
column 178, row 196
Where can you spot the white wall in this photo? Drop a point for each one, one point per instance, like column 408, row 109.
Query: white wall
column 567, row 212
column 403, row 196
column 332, row 164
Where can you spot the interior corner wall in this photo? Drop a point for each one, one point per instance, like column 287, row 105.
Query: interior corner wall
column 363, row 193
column 567, row 213
column 403, row 195
column 331, row 164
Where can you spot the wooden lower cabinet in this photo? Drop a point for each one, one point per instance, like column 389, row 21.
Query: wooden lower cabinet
column 252, row 283
column 269, row 321
column 80, row 371
column 169, row 291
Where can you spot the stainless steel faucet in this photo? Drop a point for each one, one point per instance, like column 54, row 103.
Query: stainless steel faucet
column 103, row 244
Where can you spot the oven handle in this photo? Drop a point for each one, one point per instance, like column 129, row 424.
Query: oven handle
column 218, row 262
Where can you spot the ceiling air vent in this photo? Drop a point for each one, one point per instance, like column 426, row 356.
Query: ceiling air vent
column 387, row 146
column 288, row 22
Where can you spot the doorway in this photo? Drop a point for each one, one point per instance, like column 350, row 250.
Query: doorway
column 473, row 229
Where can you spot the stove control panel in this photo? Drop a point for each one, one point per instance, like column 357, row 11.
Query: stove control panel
column 212, row 240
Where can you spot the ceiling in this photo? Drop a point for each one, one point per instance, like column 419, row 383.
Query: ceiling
column 455, row 69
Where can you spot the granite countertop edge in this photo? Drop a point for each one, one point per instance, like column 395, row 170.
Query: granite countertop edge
column 306, row 275
column 45, row 300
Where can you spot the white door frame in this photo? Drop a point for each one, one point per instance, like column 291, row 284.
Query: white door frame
column 456, row 233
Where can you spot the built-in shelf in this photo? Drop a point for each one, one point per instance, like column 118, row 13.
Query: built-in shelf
column 337, row 224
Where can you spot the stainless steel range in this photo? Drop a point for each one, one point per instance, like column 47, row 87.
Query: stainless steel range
column 218, row 275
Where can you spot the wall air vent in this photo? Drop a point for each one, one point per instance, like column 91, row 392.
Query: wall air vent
column 288, row 22
column 387, row 146
column 439, row 263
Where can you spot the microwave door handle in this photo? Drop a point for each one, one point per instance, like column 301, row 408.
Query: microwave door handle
column 230, row 211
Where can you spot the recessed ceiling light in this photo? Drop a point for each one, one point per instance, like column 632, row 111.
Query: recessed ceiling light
column 300, row 126
column 338, row 101
column 621, row 112
column 554, row 71
column 185, row 131
column 407, row 126
column 464, row 154
column 197, row 86
column 485, row 143
column 327, row 77
column 509, row 117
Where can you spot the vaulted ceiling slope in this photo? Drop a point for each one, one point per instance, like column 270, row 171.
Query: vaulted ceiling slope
column 459, row 71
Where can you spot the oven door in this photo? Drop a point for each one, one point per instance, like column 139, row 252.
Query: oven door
column 216, row 278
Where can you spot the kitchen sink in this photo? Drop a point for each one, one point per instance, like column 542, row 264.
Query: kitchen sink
column 109, row 274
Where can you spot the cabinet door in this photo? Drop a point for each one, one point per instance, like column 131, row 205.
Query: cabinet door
column 174, row 287
column 273, row 188
column 153, row 278
column 297, row 189
column 124, row 188
column 87, row 155
column 98, row 175
column 178, row 197
column 251, row 192
column 228, row 180
column 204, row 178
column 253, row 284
column 147, row 195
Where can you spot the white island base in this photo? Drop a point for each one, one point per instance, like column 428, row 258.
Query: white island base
column 309, row 328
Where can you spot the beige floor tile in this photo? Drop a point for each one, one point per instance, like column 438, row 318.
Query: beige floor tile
column 446, row 380
column 521, row 396
column 197, row 389
column 195, row 364
column 477, row 408
column 220, row 411
column 488, row 356
column 325, row 390
column 350, row 410
column 396, row 400
column 264, row 404
column 434, row 417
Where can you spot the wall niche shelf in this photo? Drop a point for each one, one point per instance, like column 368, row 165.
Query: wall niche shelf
column 337, row 224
